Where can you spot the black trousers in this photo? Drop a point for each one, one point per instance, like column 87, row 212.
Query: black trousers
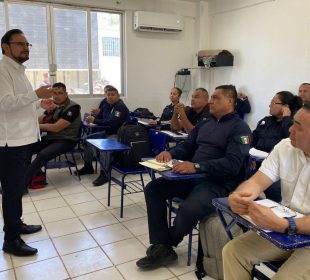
column 45, row 150
column 198, row 195
column 12, row 177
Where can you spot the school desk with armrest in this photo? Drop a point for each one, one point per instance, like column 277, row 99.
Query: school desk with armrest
column 281, row 240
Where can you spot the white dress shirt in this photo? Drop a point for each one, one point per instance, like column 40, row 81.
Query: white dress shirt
column 292, row 167
column 18, row 106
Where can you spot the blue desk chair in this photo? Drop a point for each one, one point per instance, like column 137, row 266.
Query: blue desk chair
column 59, row 163
column 158, row 143
column 173, row 207
column 127, row 187
column 174, row 204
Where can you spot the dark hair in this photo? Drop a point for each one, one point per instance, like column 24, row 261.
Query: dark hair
column 229, row 91
column 306, row 106
column 106, row 87
column 294, row 102
column 6, row 38
column 203, row 89
column 111, row 88
column 303, row 84
column 60, row 85
column 178, row 90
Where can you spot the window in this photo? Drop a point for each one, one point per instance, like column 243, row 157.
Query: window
column 85, row 45
column 32, row 21
column 106, row 59
column 2, row 24
column 71, row 49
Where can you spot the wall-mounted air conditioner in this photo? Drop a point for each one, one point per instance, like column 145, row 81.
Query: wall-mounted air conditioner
column 157, row 22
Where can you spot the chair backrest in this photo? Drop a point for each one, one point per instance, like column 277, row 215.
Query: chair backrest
column 158, row 141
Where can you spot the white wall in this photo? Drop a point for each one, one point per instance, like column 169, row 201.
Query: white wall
column 152, row 58
column 271, row 44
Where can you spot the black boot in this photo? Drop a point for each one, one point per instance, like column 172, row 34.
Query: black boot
column 102, row 179
column 86, row 169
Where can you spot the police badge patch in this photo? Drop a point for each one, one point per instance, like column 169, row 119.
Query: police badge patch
column 117, row 114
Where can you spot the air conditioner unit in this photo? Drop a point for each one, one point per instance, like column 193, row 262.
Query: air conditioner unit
column 157, row 22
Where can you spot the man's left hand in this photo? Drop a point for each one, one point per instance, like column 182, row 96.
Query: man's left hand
column 90, row 119
column 184, row 167
column 265, row 218
column 48, row 104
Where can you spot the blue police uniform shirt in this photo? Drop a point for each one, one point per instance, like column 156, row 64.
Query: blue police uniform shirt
column 243, row 107
column 269, row 132
column 195, row 117
column 167, row 113
column 112, row 116
column 219, row 146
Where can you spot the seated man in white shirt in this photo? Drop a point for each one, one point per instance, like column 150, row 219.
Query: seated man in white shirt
column 289, row 162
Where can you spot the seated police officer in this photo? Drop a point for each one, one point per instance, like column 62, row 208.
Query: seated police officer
column 98, row 111
column 62, row 126
column 216, row 147
column 187, row 117
column 175, row 95
column 113, row 114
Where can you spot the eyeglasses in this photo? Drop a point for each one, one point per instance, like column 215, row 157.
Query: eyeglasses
column 22, row 44
column 274, row 102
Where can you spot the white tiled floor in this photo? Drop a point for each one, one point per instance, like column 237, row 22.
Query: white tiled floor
column 83, row 238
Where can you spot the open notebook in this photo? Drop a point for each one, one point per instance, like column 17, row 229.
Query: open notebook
column 156, row 165
column 279, row 209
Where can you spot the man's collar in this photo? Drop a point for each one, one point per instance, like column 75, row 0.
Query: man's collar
column 13, row 62
column 226, row 117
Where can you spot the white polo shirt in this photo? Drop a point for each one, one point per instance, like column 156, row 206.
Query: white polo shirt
column 18, row 106
column 292, row 167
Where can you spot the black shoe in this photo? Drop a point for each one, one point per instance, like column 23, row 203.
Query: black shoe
column 159, row 254
column 102, row 179
column 28, row 229
column 18, row 247
column 85, row 170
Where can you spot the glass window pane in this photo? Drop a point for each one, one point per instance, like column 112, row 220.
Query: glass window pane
column 106, row 50
column 32, row 21
column 2, row 26
column 71, row 49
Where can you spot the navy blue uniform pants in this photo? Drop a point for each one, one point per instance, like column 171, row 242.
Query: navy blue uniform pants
column 12, row 177
column 197, row 195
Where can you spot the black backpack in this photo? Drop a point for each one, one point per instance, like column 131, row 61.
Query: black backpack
column 137, row 138
column 144, row 113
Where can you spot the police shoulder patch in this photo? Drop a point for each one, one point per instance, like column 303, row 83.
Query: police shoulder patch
column 245, row 140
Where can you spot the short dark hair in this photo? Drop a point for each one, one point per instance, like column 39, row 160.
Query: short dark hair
column 203, row 90
column 60, row 85
column 178, row 90
column 229, row 91
column 111, row 88
column 306, row 106
column 303, row 84
column 6, row 38
column 294, row 102
column 106, row 87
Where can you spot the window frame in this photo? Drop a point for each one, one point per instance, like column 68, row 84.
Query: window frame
column 51, row 36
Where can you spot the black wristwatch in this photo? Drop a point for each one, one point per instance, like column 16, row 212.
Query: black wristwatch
column 197, row 166
column 292, row 228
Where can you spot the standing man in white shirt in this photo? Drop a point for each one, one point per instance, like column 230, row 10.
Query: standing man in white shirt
column 18, row 129
column 288, row 162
